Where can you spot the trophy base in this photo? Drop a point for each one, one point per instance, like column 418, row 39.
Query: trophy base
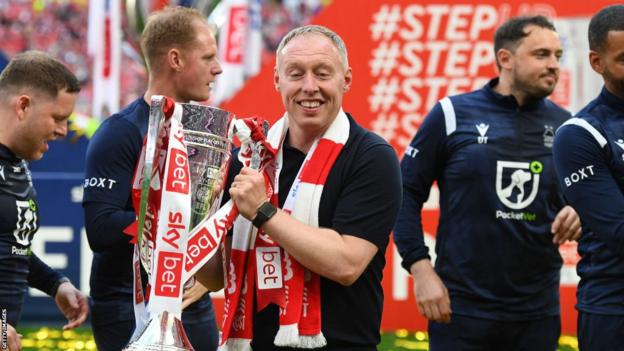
column 163, row 333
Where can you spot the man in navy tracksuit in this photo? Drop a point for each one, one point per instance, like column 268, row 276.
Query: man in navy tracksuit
column 180, row 49
column 37, row 96
column 496, row 280
column 589, row 157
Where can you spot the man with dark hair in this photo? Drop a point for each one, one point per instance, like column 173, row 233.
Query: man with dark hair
column 180, row 50
column 589, row 156
column 502, row 216
column 509, row 36
column 37, row 96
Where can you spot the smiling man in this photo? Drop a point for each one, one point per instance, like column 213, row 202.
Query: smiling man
column 589, row 155
column 495, row 285
column 329, row 223
column 181, row 53
column 37, row 96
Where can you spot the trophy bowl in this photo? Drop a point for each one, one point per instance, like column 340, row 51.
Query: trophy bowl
column 205, row 134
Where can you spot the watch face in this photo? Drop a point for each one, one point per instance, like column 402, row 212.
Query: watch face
column 265, row 212
column 268, row 209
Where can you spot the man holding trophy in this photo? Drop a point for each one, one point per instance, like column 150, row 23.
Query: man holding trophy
column 307, row 274
column 180, row 50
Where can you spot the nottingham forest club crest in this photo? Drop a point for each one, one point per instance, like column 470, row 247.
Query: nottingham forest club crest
column 517, row 183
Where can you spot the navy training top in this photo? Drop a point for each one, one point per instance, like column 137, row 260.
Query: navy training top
column 589, row 156
column 493, row 164
column 19, row 220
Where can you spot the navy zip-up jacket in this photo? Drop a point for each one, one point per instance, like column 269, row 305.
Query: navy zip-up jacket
column 19, row 220
column 589, row 156
column 492, row 161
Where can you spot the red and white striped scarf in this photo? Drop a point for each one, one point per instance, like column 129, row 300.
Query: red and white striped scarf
column 258, row 265
column 204, row 240
column 162, row 246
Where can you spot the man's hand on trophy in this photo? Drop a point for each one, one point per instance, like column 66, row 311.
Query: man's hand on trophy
column 248, row 190
column 192, row 294
column 72, row 303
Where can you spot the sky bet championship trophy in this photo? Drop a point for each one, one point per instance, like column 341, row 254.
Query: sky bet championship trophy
column 176, row 189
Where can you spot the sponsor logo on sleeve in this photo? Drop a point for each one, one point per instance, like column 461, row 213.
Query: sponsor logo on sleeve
column 99, row 182
column 578, row 175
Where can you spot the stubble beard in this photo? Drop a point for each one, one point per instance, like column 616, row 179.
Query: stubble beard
column 530, row 89
column 617, row 84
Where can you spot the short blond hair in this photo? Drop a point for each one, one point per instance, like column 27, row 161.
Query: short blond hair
column 168, row 28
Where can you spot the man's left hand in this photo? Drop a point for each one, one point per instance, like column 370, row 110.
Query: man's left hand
column 248, row 192
column 566, row 226
column 72, row 303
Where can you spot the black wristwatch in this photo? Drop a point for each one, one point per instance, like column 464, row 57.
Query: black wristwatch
column 264, row 213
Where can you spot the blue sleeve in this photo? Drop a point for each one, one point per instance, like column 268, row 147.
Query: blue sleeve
column 368, row 204
column 110, row 163
column 419, row 168
column 41, row 276
column 589, row 186
column 234, row 168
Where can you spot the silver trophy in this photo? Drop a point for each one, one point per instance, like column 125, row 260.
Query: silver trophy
column 205, row 134
column 208, row 148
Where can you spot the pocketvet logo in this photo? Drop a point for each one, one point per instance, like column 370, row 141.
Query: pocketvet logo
column 26, row 223
column 20, row 251
column 517, row 184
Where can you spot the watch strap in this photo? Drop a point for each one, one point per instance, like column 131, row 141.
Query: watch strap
column 263, row 214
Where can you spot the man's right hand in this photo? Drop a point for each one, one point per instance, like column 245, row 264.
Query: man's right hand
column 432, row 297
column 14, row 340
